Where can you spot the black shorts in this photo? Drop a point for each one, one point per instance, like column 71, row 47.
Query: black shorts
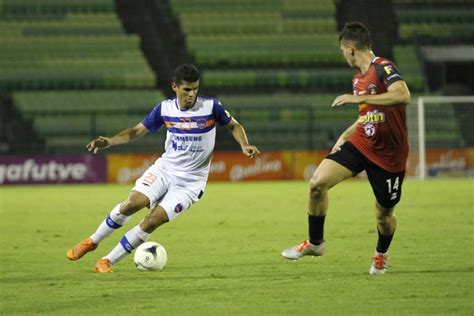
column 387, row 186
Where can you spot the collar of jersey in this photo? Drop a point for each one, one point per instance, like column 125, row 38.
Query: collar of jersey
column 373, row 60
column 371, row 63
column 177, row 105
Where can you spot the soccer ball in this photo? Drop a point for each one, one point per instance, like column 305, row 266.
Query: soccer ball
column 150, row 256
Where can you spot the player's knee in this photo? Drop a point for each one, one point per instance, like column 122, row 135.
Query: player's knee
column 384, row 215
column 385, row 210
column 383, row 220
column 155, row 219
column 317, row 189
column 150, row 223
column 129, row 207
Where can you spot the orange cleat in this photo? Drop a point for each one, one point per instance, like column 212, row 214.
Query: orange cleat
column 103, row 266
column 79, row 250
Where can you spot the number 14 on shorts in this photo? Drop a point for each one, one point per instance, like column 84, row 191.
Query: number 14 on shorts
column 393, row 187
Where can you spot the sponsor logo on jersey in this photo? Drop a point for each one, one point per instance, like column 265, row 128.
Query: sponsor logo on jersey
column 393, row 76
column 372, row 117
column 196, row 149
column 187, row 124
column 178, row 143
column 178, row 147
column 388, row 69
column 187, row 138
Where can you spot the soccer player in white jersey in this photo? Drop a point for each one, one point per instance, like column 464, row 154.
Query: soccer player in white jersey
column 177, row 179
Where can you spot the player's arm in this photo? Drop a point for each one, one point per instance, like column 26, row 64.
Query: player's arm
column 345, row 136
column 397, row 93
column 123, row 137
column 238, row 132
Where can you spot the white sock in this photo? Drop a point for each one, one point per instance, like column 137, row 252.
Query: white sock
column 132, row 239
column 114, row 221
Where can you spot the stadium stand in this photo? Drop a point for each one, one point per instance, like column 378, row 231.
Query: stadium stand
column 72, row 72
column 436, row 21
column 67, row 120
column 273, row 44
column 78, row 51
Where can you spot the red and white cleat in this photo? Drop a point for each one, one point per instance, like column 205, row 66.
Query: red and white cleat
column 379, row 263
column 305, row 248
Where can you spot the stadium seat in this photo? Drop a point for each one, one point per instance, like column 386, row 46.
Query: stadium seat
column 249, row 52
column 30, row 8
column 94, row 53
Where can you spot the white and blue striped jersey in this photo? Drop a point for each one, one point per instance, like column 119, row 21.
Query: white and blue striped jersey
column 190, row 135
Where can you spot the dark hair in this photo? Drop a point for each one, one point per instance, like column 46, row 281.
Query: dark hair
column 357, row 33
column 186, row 72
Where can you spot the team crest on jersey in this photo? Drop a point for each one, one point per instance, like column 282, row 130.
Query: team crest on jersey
column 369, row 129
column 201, row 123
column 369, row 120
column 372, row 88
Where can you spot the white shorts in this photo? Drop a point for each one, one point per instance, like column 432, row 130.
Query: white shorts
column 174, row 194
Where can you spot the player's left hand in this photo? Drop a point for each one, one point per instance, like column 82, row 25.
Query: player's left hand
column 346, row 98
column 250, row 151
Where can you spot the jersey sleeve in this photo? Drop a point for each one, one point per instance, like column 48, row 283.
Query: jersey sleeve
column 388, row 73
column 153, row 120
column 221, row 115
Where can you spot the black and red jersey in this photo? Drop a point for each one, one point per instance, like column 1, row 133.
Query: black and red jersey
column 381, row 133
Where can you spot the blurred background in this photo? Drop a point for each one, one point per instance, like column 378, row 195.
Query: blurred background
column 71, row 70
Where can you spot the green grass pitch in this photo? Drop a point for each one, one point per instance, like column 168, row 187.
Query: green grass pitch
column 224, row 253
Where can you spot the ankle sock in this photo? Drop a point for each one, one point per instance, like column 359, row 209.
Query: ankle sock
column 316, row 229
column 383, row 242
column 131, row 240
column 112, row 222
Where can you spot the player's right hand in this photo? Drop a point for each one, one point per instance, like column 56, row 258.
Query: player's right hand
column 250, row 151
column 98, row 143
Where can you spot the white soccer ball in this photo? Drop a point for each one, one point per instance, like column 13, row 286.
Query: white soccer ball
column 150, row 256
